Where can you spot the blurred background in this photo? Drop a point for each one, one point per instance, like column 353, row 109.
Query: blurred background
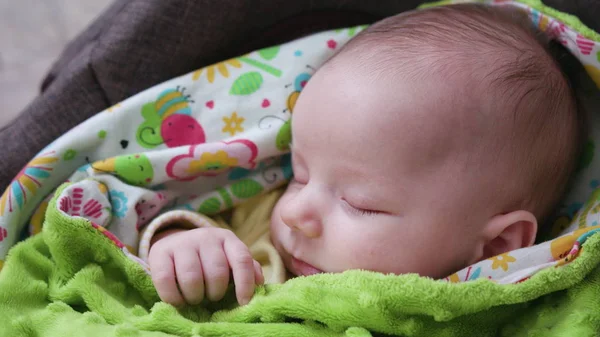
column 32, row 35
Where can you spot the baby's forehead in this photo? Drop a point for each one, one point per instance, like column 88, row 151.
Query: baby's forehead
column 402, row 97
column 369, row 113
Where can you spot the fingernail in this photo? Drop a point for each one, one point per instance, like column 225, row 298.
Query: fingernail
column 244, row 301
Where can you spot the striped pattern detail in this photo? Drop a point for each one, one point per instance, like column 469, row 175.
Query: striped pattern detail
column 585, row 45
column 170, row 102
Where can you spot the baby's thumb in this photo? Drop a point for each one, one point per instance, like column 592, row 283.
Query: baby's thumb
column 259, row 278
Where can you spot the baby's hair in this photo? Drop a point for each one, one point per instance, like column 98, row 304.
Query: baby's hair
column 516, row 79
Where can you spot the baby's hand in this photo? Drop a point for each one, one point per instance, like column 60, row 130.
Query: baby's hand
column 189, row 264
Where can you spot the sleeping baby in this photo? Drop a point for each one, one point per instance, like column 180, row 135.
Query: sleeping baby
column 450, row 134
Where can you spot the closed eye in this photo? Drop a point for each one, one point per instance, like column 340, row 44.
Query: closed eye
column 363, row 211
column 360, row 211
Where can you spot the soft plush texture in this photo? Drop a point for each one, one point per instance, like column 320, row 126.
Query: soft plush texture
column 79, row 276
column 52, row 286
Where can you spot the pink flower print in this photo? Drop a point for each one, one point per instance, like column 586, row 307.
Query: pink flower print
column 146, row 209
column 92, row 209
column 556, row 31
column 585, row 45
column 65, row 204
column 3, row 233
column 77, row 200
column 211, row 159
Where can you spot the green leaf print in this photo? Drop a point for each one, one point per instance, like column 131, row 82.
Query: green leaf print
column 246, row 188
column 210, row 206
column 269, row 53
column 262, row 66
column 284, row 137
column 69, row 154
column 247, row 83
column 352, row 30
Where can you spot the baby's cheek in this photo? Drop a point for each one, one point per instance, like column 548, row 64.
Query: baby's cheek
column 389, row 252
column 446, row 255
column 363, row 250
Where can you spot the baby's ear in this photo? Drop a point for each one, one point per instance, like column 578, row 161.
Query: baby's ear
column 506, row 232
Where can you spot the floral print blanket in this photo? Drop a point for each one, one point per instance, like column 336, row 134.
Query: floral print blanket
column 210, row 139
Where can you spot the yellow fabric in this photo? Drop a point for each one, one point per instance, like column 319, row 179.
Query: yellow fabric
column 249, row 221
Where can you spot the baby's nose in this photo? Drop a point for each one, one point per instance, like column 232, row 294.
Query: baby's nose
column 310, row 229
column 302, row 218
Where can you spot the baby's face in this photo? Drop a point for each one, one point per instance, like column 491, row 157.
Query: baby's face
column 379, row 183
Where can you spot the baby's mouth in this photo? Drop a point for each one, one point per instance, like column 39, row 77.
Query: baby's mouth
column 302, row 268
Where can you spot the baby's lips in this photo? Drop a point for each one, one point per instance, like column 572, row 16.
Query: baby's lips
column 303, row 268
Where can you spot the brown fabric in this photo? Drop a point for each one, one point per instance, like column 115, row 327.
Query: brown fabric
column 138, row 43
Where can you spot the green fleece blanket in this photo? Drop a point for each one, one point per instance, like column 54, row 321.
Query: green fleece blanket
column 79, row 277
column 54, row 286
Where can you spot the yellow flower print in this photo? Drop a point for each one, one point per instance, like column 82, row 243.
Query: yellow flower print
column 211, row 162
column 221, row 67
column 502, row 261
column 543, row 23
column 594, row 72
column 37, row 219
column 453, row 278
column 102, row 188
column 112, row 108
column 233, row 124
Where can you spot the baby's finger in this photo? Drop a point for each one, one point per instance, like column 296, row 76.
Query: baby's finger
column 162, row 271
column 189, row 275
column 242, row 266
column 259, row 277
column 215, row 269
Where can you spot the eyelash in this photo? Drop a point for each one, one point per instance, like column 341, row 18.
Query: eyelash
column 352, row 209
column 360, row 211
column 365, row 212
